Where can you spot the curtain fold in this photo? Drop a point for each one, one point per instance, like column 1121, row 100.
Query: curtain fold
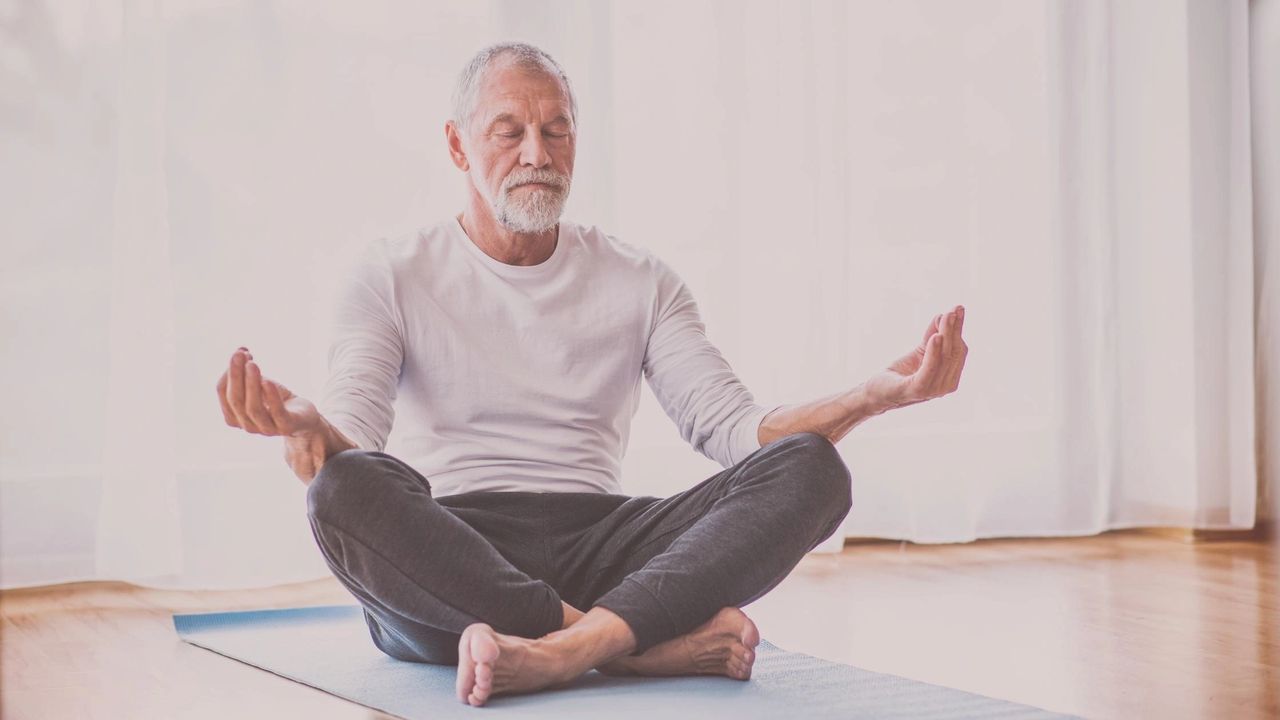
column 1264, row 101
column 827, row 176
column 138, row 531
column 1153, row 231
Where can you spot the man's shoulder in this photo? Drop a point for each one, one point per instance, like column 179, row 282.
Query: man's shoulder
column 608, row 247
column 400, row 246
column 418, row 239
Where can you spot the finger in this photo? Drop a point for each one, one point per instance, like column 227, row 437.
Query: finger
column 956, row 344
column 953, row 380
column 253, row 399
column 951, row 349
column 929, row 331
column 959, row 320
column 235, row 392
column 944, row 365
column 926, row 377
column 953, row 364
column 222, row 401
column 944, row 329
column 275, row 406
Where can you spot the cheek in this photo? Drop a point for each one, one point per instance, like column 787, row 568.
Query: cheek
column 488, row 173
column 500, row 166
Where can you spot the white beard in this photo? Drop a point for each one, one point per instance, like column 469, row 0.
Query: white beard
column 535, row 210
column 527, row 210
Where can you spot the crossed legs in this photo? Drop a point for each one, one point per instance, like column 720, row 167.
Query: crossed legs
column 663, row 578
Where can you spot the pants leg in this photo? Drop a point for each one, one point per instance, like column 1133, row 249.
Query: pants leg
column 419, row 566
column 668, row 565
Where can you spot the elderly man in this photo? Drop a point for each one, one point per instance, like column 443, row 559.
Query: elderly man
column 511, row 344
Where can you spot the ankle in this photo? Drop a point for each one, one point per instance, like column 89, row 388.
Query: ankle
column 597, row 637
column 571, row 614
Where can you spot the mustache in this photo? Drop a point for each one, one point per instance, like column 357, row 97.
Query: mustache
column 524, row 177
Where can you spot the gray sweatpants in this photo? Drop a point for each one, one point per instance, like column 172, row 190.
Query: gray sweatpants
column 424, row 568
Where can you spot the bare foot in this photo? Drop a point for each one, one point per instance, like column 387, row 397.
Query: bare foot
column 490, row 663
column 724, row 645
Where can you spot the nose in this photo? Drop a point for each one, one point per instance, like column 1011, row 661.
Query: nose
column 533, row 151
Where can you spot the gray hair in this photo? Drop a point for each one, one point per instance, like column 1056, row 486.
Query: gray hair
column 523, row 55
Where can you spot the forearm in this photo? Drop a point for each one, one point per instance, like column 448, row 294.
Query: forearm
column 306, row 454
column 832, row 416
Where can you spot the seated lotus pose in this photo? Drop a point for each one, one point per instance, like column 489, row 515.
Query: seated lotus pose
column 511, row 345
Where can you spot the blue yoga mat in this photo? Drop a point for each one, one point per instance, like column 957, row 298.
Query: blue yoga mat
column 329, row 648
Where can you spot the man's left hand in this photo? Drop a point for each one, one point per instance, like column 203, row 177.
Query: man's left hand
column 931, row 370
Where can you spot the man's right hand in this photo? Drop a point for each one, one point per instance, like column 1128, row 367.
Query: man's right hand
column 261, row 406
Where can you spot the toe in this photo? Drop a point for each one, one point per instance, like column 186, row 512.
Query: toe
column 466, row 668
column 483, row 688
column 484, row 646
column 750, row 633
column 477, row 651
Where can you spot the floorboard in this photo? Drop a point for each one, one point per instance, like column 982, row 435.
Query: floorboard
column 1120, row 625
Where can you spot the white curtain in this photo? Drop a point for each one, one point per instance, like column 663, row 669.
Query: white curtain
column 1264, row 86
column 179, row 179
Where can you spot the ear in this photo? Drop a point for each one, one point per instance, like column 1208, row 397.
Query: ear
column 454, row 137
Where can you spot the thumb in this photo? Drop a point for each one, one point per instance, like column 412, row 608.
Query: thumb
column 284, row 392
column 930, row 331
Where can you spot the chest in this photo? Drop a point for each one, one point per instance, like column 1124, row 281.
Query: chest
column 503, row 347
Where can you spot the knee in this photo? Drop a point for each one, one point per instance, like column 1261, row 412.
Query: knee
column 822, row 472
column 337, row 477
column 439, row 649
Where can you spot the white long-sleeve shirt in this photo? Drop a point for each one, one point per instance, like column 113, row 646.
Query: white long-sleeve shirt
column 508, row 377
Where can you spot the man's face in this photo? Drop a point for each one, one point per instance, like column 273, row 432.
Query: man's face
column 520, row 146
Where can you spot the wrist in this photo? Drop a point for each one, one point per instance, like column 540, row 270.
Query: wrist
column 309, row 438
column 326, row 440
column 308, row 450
column 867, row 400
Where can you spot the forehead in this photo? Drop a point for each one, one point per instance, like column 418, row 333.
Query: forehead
column 508, row 89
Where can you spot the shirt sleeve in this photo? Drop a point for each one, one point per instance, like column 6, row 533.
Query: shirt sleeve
column 713, row 410
column 366, row 351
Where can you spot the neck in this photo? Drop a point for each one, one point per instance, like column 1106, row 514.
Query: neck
column 501, row 244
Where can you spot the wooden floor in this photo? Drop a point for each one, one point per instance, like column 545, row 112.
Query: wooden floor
column 1122, row 625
